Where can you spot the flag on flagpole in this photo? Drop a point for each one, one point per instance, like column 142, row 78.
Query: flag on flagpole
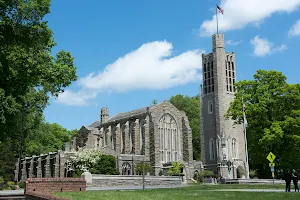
column 245, row 119
column 220, row 9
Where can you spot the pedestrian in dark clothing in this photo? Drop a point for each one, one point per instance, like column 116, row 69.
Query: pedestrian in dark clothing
column 295, row 180
column 287, row 178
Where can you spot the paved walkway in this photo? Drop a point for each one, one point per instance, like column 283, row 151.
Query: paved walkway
column 251, row 190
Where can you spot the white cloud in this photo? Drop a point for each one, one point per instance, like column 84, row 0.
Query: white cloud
column 148, row 67
column 79, row 98
column 233, row 43
column 239, row 13
column 263, row 47
column 295, row 29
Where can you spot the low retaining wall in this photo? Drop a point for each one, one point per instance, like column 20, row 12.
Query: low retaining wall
column 119, row 180
column 41, row 188
column 254, row 181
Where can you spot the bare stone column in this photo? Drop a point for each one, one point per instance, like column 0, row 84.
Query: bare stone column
column 147, row 137
column 56, row 165
column 39, row 168
column 108, row 135
column 62, row 165
column 102, row 140
column 127, row 138
column 137, row 137
column 17, row 170
column 118, row 138
column 48, row 167
column 24, row 172
column 31, row 167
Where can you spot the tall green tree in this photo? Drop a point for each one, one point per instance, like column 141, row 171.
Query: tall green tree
column 273, row 115
column 26, row 62
column 29, row 73
column 191, row 106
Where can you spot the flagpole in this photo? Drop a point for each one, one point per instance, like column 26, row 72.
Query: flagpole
column 245, row 137
column 217, row 19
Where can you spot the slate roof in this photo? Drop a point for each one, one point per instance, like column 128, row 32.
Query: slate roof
column 95, row 124
column 129, row 114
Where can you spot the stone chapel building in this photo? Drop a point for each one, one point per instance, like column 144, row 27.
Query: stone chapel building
column 223, row 143
column 159, row 134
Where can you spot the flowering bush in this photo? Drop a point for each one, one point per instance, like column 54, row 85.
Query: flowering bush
column 84, row 160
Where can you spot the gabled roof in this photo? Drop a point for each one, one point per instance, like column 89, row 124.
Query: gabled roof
column 95, row 124
column 130, row 114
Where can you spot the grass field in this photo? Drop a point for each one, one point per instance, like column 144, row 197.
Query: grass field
column 203, row 192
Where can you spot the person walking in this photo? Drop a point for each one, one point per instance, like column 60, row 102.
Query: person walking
column 287, row 178
column 295, row 180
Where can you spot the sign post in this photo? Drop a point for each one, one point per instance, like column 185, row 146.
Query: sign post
column 271, row 157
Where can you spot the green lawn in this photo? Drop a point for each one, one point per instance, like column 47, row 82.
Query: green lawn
column 193, row 192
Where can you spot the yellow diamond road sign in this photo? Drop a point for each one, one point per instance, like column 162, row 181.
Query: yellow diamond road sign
column 271, row 157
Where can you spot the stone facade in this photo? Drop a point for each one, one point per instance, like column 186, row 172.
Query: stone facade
column 223, row 143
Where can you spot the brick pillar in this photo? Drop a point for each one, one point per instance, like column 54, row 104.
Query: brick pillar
column 56, row 165
column 127, row 138
column 147, row 137
column 17, row 170
column 39, row 168
column 24, row 172
column 31, row 167
column 48, row 167
column 137, row 137
column 118, row 139
column 62, row 165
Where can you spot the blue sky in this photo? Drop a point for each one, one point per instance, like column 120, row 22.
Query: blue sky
column 128, row 53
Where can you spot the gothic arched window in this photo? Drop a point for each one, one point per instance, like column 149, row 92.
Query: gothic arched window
column 211, row 149
column 234, row 148
column 169, row 139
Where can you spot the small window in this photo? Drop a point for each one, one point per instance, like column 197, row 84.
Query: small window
column 212, row 65
column 204, row 75
column 204, row 68
column 232, row 66
column 208, row 67
column 210, row 107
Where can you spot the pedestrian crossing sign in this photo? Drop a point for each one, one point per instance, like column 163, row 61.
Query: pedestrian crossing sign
column 271, row 157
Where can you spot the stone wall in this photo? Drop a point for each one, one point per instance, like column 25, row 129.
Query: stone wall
column 127, row 181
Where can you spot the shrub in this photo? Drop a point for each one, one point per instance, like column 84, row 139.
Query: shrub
column 105, row 165
column 21, row 184
column 175, row 170
column 206, row 174
column 1, row 182
column 11, row 185
column 253, row 173
column 139, row 168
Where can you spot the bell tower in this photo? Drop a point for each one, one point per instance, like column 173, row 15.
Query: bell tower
column 222, row 142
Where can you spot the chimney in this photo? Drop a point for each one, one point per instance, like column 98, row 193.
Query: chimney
column 104, row 115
